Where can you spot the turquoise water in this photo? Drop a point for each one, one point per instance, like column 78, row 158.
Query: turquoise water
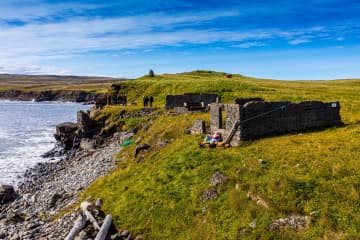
column 26, row 132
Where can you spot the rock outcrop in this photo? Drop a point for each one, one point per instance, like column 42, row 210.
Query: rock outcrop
column 65, row 134
column 71, row 136
column 218, row 178
column 7, row 194
column 86, row 126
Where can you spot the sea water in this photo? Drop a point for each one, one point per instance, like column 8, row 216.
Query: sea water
column 27, row 131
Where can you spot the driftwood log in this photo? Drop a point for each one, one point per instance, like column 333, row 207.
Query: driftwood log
column 104, row 228
column 84, row 206
column 79, row 224
column 86, row 216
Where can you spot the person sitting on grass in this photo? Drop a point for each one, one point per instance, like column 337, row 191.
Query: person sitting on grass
column 216, row 137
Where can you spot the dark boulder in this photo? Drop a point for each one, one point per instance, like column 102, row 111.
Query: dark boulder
column 86, row 126
column 7, row 194
column 65, row 134
column 70, row 136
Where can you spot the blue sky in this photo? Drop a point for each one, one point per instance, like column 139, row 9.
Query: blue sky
column 309, row 39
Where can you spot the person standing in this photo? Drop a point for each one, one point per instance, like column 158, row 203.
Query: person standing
column 151, row 100
column 125, row 100
column 145, row 101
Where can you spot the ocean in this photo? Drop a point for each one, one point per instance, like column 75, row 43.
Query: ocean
column 27, row 131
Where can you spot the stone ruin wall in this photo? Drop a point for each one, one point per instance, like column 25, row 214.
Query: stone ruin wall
column 233, row 113
column 173, row 101
column 290, row 117
column 242, row 101
column 260, row 119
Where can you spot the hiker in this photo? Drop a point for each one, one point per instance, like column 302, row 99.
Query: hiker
column 124, row 100
column 145, row 101
column 151, row 100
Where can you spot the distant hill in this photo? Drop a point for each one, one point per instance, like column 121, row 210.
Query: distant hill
column 54, row 82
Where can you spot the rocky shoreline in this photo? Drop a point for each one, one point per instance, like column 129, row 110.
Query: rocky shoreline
column 50, row 95
column 49, row 189
column 52, row 187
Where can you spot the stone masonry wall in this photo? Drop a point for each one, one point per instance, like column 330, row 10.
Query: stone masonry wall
column 260, row 118
column 233, row 113
column 215, row 117
column 273, row 118
column 242, row 101
column 173, row 101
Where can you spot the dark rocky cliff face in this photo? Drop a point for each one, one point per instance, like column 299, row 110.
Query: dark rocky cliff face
column 56, row 95
column 70, row 136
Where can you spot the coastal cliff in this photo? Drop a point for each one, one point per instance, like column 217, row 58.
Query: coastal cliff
column 52, row 95
column 53, row 87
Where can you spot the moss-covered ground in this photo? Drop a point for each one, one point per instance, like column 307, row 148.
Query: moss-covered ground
column 314, row 173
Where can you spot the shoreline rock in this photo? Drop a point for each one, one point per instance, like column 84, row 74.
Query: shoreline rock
column 72, row 136
column 7, row 194
column 51, row 187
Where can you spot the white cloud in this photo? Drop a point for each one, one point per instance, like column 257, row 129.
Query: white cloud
column 31, row 10
column 82, row 35
column 38, row 42
column 250, row 44
column 299, row 41
column 32, row 70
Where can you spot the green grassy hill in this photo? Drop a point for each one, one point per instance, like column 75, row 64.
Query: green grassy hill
column 315, row 174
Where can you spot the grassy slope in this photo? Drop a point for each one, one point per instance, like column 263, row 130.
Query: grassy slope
column 306, row 173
